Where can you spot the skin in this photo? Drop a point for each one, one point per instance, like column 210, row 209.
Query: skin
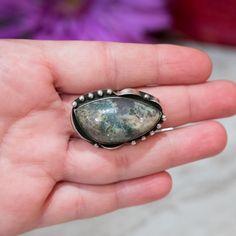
column 49, row 176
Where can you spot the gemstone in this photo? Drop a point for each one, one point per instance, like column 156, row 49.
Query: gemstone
column 116, row 120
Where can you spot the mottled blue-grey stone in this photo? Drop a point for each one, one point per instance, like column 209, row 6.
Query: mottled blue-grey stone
column 116, row 120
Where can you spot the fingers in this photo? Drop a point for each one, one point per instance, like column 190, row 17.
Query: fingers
column 85, row 164
column 80, row 67
column 75, row 201
column 184, row 104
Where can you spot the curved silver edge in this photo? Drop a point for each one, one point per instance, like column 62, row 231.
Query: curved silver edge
column 129, row 91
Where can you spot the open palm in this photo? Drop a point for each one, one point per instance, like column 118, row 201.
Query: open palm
column 48, row 175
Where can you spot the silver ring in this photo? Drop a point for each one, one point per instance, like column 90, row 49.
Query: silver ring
column 109, row 119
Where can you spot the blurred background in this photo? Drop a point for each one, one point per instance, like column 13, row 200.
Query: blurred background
column 203, row 198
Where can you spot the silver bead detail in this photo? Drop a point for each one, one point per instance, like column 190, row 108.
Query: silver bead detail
column 152, row 133
column 109, row 91
column 163, row 117
column 146, row 96
column 96, row 145
column 81, row 98
column 133, row 142
column 90, row 96
column 100, row 93
column 74, row 104
column 159, row 126
column 143, row 138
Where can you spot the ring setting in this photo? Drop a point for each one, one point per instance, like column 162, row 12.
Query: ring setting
column 109, row 119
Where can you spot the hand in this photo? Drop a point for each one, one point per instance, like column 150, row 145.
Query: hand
column 48, row 175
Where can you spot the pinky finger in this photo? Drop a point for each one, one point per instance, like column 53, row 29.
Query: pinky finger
column 71, row 201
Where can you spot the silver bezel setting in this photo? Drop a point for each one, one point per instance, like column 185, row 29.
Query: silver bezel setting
column 101, row 94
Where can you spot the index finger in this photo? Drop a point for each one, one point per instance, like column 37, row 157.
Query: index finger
column 79, row 67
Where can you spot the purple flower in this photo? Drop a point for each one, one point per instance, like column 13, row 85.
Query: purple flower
column 106, row 20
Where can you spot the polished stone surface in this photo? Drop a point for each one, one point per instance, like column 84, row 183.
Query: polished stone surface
column 115, row 120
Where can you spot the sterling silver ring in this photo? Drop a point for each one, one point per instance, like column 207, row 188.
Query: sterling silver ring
column 109, row 119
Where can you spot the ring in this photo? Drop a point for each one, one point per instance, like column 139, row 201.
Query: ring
column 109, row 119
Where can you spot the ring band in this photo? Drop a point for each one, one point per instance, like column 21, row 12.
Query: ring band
column 109, row 119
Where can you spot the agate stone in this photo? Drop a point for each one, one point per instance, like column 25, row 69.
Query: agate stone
column 116, row 120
